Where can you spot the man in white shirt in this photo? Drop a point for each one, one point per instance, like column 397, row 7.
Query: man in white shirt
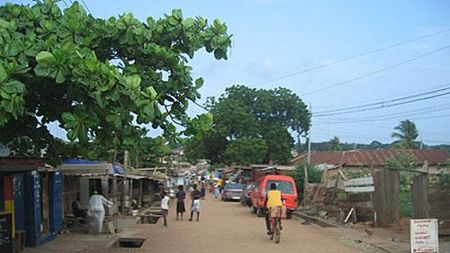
column 164, row 207
column 97, row 211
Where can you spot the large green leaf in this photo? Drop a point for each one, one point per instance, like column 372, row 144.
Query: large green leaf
column 3, row 74
column 199, row 83
column 68, row 117
column 60, row 78
column 151, row 92
column 133, row 81
column 45, row 57
column 41, row 70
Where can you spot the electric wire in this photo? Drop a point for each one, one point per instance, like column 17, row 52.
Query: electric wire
column 376, row 71
column 383, row 103
column 387, row 118
column 354, row 57
column 87, row 8
column 391, row 105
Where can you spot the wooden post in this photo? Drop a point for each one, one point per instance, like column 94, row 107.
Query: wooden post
column 130, row 198
column 419, row 194
column 115, row 195
column 386, row 198
column 305, row 185
column 126, row 159
column 140, row 192
column 85, row 194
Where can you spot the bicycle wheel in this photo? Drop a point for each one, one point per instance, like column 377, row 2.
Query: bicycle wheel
column 277, row 233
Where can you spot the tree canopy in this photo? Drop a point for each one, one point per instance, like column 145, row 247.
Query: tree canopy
column 335, row 144
column 406, row 133
column 99, row 79
column 256, row 122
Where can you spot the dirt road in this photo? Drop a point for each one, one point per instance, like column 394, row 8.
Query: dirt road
column 229, row 227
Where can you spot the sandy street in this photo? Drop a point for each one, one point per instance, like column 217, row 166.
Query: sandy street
column 229, row 227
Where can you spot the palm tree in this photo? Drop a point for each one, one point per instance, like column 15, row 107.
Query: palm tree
column 335, row 144
column 406, row 133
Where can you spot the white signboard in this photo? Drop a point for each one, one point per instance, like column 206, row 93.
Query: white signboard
column 424, row 235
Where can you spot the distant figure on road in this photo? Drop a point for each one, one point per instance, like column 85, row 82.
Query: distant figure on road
column 97, row 211
column 180, row 196
column 195, row 195
column 211, row 184
column 203, row 190
column 220, row 185
column 164, row 207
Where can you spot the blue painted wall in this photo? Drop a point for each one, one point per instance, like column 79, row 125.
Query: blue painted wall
column 19, row 201
column 33, row 207
column 55, row 201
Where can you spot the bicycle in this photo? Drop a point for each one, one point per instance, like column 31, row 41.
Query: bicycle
column 275, row 224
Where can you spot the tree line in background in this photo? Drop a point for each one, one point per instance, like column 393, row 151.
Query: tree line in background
column 405, row 134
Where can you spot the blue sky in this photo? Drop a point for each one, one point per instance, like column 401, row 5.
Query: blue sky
column 273, row 38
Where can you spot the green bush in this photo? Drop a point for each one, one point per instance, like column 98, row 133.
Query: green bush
column 405, row 204
column 314, row 176
column 444, row 180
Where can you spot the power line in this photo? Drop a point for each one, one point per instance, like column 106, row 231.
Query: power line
column 382, row 107
column 199, row 105
column 65, row 4
column 349, row 134
column 382, row 103
column 85, row 5
column 354, row 57
column 407, row 113
column 391, row 105
column 400, row 114
column 388, row 116
column 377, row 71
column 380, row 119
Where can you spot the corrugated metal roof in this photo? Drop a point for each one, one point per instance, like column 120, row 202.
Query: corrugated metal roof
column 371, row 157
column 21, row 161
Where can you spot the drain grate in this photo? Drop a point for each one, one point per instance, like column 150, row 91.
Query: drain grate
column 129, row 242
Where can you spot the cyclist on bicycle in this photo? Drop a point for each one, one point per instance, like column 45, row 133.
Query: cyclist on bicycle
column 273, row 200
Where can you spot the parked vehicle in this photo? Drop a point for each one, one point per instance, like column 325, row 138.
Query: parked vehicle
column 245, row 197
column 285, row 184
column 232, row 191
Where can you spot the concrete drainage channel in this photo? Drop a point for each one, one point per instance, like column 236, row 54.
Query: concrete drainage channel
column 127, row 242
column 149, row 218
column 314, row 220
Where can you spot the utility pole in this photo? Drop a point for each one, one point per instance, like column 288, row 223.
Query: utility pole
column 309, row 137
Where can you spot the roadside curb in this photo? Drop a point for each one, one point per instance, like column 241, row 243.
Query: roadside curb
column 314, row 220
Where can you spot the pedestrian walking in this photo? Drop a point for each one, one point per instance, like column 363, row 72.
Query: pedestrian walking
column 203, row 190
column 180, row 196
column 164, row 207
column 97, row 211
column 220, row 184
column 195, row 195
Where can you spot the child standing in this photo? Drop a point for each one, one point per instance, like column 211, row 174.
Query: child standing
column 195, row 195
column 164, row 207
column 181, row 195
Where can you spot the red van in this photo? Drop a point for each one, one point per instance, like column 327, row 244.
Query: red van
column 285, row 184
